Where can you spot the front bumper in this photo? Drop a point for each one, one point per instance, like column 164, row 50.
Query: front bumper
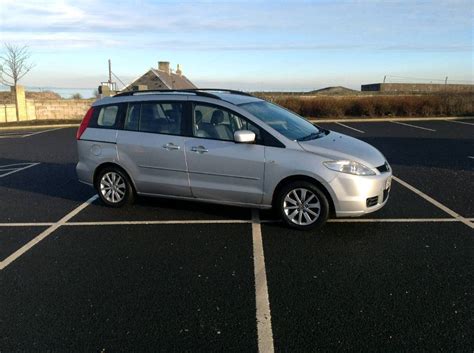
column 359, row 195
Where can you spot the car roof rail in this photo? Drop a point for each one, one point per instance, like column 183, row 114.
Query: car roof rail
column 205, row 92
column 232, row 91
column 166, row 91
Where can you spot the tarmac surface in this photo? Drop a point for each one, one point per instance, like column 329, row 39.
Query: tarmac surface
column 161, row 275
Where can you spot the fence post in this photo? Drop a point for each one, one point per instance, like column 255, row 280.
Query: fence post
column 20, row 102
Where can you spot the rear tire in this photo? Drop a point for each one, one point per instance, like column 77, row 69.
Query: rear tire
column 302, row 205
column 114, row 187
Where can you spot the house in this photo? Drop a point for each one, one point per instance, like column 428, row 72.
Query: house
column 161, row 78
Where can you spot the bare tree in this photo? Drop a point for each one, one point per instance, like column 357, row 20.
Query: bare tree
column 14, row 63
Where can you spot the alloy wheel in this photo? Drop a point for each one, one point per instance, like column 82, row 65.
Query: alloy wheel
column 113, row 187
column 301, row 206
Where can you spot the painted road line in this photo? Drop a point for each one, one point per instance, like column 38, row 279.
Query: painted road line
column 233, row 221
column 434, row 202
column 38, row 127
column 380, row 220
column 472, row 157
column 197, row 221
column 18, row 169
column 45, row 233
column 392, row 220
column 352, row 128
column 264, row 318
column 42, row 132
column 415, row 126
column 378, row 120
column 27, row 224
column 458, row 122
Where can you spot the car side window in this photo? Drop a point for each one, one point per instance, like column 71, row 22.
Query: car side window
column 106, row 117
column 218, row 123
column 155, row 117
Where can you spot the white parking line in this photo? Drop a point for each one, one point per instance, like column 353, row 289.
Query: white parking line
column 397, row 220
column 352, row 128
column 415, row 126
column 264, row 318
column 472, row 157
column 15, row 170
column 459, row 122
column 193, row 221
column 42, row 132
column 45, row 233
column 232, row 221
column 436, row 203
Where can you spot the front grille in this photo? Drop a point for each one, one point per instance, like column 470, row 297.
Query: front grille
column 383, row 168
column 372, row 201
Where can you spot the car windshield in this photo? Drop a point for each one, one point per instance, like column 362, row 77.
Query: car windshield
column 289, row 124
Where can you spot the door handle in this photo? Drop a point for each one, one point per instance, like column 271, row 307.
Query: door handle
column 199, row 149
column 171, row 146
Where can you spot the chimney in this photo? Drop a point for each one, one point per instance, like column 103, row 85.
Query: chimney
column 178, row 71
column 164, row 66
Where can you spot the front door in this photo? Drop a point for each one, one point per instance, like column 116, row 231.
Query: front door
column 219, row 168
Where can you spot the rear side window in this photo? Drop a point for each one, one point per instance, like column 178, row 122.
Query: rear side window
column 105, row 117
column 155, row 117
column 108, row 116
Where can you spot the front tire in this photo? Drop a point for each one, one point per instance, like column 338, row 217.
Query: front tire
column 302, row 205
column 114, row 187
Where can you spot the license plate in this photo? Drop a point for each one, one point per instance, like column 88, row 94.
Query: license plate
column 388, row 183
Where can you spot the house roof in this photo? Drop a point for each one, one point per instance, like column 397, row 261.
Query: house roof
column 158, row 79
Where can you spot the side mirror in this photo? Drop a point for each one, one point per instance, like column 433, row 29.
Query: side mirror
column 244, row 136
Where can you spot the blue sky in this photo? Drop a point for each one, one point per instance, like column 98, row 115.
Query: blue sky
column 252, row 45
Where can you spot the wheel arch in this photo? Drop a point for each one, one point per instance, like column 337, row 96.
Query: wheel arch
column 294, row 178
column 112, row 165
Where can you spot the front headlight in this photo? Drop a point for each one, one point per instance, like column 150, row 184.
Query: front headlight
column 349, row 167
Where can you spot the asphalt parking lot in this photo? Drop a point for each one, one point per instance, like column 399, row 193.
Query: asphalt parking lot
column 166, row 275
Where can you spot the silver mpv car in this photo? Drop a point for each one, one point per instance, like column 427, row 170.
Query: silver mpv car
column 227, row 147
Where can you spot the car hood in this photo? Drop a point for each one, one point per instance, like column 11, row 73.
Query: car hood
column 336, row 146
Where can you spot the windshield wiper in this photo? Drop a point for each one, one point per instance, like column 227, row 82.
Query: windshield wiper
column 311, row 136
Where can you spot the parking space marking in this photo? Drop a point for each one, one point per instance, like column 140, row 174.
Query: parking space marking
column 410, row 125
column 459, row 122
column 45, row 233
column 472, row 157
column 264, row 318
column 42, row 132
column 352, row 128
column 195, row 221
column 231, row 221
column 18, row 134
column 31, row 224
column 434, row 202
column 17, row 167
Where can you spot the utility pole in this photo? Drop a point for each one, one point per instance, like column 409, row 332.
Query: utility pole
column 384, row 78
column 110, row 73
column 446, row 80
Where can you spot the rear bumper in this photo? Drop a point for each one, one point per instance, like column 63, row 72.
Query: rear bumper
column 85, row 173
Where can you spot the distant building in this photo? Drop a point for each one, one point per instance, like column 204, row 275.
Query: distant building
column 416, row 88
column 161, row 78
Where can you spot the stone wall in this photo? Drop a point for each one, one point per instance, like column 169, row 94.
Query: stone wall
column 7, row 113
column 61, row 109
column 16, row 106
column 414, row 88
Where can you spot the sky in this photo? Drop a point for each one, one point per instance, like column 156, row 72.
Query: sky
column 249, row 45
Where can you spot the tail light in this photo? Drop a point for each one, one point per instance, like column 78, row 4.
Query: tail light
column 84, row 123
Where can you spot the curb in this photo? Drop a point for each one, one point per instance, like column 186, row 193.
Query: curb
column 356, row 120
column 30, row 127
